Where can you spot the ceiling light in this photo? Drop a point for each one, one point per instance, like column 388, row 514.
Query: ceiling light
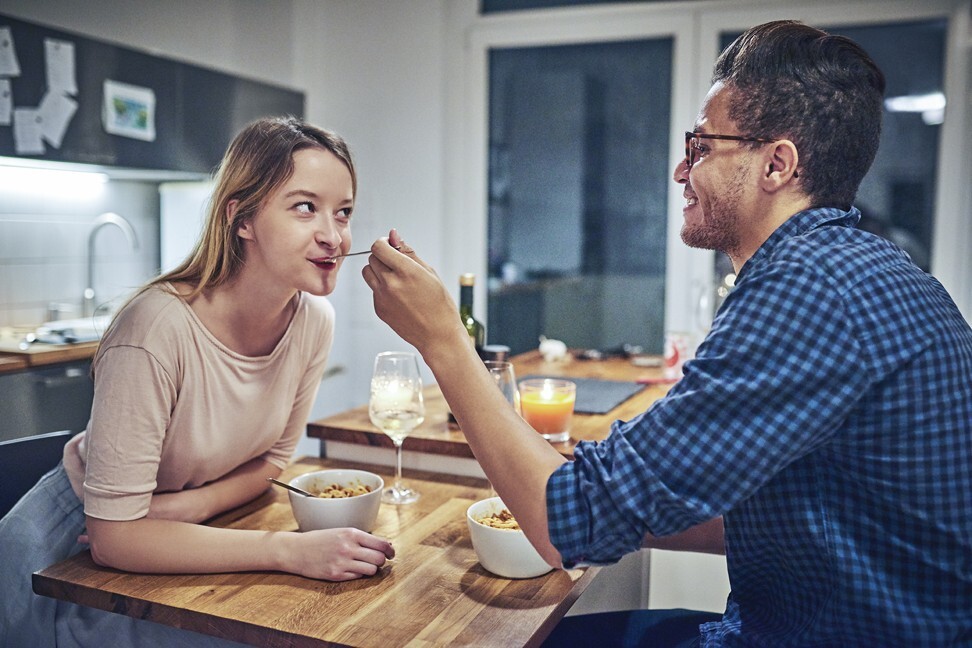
column 931, row 106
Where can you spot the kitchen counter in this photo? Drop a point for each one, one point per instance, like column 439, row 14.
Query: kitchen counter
column 39, row 355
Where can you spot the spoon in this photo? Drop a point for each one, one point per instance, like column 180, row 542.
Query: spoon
column 341, row 256
column 289, row 487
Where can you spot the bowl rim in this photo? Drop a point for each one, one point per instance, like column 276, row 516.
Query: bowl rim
column 307, row 475
column 470, row 518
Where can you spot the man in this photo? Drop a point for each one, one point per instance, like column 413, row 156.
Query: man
column 822, row 437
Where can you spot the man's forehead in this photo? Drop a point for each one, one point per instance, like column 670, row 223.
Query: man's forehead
column 714, row 114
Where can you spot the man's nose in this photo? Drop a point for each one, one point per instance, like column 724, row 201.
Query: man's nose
column 681, row 175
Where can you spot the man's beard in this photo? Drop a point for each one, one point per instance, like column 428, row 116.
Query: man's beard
column 719, row 229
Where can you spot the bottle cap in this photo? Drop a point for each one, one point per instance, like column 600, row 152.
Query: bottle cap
column 467, row 279
column 496, row 352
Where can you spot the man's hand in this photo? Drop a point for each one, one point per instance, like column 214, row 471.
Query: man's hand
column 410, row 297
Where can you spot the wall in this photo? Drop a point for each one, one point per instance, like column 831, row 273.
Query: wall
column 238, row 36
column 43, row 239
column 386, row 96
column 43, row 249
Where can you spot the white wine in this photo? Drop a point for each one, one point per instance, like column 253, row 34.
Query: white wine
column 396, row 423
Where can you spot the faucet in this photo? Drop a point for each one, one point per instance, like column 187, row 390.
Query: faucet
column 108, row 218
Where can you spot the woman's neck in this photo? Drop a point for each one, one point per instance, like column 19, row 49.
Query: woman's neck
column 246, row 319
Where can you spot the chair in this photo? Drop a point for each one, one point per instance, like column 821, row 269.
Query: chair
column 25, row 460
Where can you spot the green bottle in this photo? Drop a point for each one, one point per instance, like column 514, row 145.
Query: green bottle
column 475, row 328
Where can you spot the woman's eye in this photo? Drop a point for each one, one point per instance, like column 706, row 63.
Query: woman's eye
column 305, row 207
column 345, row 213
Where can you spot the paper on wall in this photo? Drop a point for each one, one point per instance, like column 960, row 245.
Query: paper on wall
column 59, row 56
column 8, row 55
column 55, row 111
column 27, row 131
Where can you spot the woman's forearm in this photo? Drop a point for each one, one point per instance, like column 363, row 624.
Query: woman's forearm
column 167, row 546
column 235, row 488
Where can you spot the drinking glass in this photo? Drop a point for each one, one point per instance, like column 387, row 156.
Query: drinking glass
column 396, row 408
column 505, row 378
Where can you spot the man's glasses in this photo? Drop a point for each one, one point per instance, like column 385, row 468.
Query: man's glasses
column 693, row 147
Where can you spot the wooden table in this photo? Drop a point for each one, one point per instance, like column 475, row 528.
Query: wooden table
column 438, row 436
column 433, row 593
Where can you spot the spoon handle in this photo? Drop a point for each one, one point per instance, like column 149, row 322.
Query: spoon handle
column 341, row 256
column 289, row 487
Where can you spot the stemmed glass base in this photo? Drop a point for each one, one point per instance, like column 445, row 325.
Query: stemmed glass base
column 398, row 494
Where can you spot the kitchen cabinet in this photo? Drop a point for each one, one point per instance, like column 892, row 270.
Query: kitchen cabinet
column 45, row 398
column 193, row 115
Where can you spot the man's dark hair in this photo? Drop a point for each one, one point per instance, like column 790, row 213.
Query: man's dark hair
column 822, row 92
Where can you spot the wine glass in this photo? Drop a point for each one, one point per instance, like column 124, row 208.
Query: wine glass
column 505, row 378
column 396, row 408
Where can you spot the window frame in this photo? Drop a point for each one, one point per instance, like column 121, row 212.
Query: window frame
column 694, row 30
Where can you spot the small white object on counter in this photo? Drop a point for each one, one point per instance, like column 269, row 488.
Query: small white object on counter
column 552, row 350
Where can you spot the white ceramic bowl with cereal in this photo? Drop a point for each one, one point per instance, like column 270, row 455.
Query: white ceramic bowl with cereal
column 502, row 551
column 347, row 498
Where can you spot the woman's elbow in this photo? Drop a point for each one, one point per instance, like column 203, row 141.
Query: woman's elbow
column 105, row 543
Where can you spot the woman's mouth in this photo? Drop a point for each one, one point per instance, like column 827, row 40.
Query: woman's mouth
column 325, row 263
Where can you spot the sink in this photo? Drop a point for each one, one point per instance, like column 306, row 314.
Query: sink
column 60, row 332
column 82, row 329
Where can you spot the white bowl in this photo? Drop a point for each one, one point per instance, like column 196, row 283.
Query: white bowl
column 360, row 511
column 504, row 552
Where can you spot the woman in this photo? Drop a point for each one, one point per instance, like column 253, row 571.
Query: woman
column 203, row 385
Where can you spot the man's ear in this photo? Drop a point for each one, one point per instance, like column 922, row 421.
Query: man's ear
column 780, row 165
column 243, row 229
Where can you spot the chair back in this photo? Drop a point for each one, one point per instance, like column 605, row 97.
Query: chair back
column 25, row 460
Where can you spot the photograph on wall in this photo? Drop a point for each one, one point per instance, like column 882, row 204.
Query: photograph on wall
column 129, row 110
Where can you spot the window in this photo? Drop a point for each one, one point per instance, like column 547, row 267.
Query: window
column 578, row 185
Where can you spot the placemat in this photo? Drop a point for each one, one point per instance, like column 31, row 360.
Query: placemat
column 595, row 396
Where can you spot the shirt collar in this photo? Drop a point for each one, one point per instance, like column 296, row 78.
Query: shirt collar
column 799, row 224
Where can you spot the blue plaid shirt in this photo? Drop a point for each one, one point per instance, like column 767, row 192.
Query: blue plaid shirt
column 828, row 418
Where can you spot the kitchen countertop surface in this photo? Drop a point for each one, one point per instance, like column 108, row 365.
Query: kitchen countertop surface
column 39, row 355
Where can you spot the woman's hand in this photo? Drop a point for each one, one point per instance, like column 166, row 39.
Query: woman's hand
column 409, row 296
column 337, row 554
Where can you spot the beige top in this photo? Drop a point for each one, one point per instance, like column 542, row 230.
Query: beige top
column 174, row 408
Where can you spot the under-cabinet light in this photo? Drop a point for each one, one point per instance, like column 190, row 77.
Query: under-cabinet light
column 79, row 184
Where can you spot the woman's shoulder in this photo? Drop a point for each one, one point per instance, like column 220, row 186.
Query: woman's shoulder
column 313, row 325
column 154, row 309
column 317, row 310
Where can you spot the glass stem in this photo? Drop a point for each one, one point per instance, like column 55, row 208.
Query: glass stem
column 398, row 465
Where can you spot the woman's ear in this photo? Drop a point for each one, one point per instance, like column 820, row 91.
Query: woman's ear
column 243, row 229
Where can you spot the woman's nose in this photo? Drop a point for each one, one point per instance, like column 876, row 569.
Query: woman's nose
column 328, row 233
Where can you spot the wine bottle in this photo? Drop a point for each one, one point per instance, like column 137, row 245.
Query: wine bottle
column 475, row 328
